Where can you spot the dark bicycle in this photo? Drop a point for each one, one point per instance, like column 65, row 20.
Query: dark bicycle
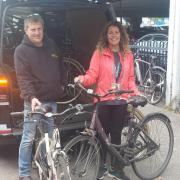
column 147, row 144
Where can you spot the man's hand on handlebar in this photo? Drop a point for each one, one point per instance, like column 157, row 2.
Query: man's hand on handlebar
column 35, row 102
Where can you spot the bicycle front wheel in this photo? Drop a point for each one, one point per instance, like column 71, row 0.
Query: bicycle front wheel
column 156, row 144
column 73, row 69
column 41, row 159
column 84, row 158
column 62, row 167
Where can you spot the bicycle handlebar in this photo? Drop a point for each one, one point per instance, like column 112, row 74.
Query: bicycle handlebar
column 98, row 96
column 17, row 114
column 43, row 111
column 152, row 56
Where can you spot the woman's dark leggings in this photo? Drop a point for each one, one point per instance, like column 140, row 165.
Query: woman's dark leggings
column 112, row 118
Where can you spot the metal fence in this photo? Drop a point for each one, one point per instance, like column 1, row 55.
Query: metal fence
column 152, row 44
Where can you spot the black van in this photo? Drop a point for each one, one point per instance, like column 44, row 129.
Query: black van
column 74, row 25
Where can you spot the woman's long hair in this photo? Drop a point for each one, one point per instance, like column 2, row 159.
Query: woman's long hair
column 124, row 39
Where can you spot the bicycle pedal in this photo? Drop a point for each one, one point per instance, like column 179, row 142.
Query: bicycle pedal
column 88, row 132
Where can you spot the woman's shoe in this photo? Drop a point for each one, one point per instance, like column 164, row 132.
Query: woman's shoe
column 25, row 178
column 119, row 175
column 102, row 173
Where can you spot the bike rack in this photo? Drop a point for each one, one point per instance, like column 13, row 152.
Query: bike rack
column 152, row 44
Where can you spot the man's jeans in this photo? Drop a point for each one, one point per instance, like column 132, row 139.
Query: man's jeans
column 29, row 131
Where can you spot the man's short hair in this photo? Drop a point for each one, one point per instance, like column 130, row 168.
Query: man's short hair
column 33, row 18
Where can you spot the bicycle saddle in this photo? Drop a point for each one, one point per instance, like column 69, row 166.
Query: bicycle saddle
column 137, row 101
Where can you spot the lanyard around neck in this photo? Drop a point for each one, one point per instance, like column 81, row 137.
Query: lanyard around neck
column 117, row 65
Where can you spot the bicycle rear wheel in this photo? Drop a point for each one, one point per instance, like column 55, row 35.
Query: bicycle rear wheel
column 84, row 158
column 155, row 87
column 151, row 161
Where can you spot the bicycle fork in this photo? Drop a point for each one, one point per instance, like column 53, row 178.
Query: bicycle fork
column 50, row 163
column 65, row 159
column 52, row 169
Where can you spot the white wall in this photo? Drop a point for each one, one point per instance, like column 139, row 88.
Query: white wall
column 173, row 62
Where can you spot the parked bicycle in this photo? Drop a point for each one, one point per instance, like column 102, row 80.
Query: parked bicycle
column 152, row 81
column 148, row 143
column 50, row 159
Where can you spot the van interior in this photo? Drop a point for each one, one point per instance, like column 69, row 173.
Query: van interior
column 75, row 27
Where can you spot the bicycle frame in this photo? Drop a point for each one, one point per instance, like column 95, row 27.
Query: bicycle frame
column 96, row 128
column 150, row 68
column 52, row 148
column 49, row 142
column 151, row 81
column 138, row 71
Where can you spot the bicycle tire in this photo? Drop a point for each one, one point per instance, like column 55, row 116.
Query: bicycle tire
column 36, row 142
column 155, row 90
column 159, row 130
column 73, row 69
column 62, row 167
column 84, row 157
column 41, row 158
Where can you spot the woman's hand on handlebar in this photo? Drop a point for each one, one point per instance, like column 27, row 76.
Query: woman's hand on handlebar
column 98, row 96
column 78, row 79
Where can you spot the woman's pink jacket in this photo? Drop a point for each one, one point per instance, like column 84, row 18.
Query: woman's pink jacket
column 102, row 73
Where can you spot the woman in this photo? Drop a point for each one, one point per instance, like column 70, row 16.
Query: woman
column 112, row 67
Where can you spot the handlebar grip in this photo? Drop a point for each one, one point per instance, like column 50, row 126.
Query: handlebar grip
column 17, row 114
column 88, row 91
column 43, row 109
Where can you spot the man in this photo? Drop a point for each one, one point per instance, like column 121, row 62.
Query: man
column 40, row 77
